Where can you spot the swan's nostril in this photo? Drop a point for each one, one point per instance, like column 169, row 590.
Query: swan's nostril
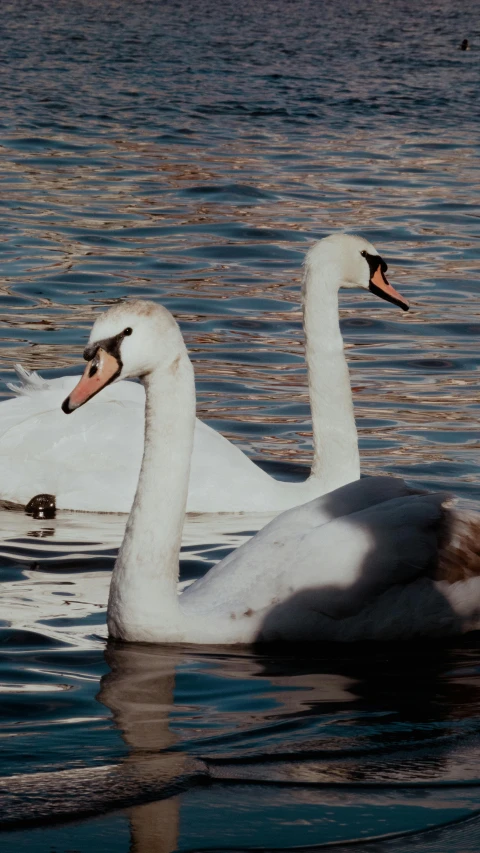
column 93, row 370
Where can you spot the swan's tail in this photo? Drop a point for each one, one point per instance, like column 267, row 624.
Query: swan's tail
column 460, row 550
column 30, row 382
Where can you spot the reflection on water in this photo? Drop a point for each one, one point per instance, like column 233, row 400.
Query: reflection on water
column 276, row 751
column 190, row 154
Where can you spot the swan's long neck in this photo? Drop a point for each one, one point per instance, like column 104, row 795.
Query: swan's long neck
column 336, row 459
column 143, row 590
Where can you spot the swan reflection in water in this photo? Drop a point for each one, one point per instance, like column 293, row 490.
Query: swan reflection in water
column 242, row 749
column 139, row 691
column 310, row 755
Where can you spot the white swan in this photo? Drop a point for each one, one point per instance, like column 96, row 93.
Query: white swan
column 40, row 453
column 356, row 563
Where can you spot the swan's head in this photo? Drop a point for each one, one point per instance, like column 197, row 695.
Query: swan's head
column 130, row 340
column 349, row 261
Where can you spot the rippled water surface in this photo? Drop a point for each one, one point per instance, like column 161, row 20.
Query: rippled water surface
column 190, row 152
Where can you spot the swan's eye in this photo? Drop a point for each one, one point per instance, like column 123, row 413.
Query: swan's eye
column 363, row 253
column 127, row 331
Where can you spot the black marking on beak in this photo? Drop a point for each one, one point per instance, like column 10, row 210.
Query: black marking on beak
column 387, row 296
column 110, row 345
column 92, row 369
column 378, row 265
column 374, row 262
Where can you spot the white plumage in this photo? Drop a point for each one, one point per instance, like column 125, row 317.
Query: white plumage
column 371, row 560
column 40, row 451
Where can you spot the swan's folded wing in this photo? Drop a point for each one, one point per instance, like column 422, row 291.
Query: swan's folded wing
column 332, row 571
column 365, row 553
column 356, row 496
column 286, row 528
column 80, row 460
column 223, row 478
column 362, row 494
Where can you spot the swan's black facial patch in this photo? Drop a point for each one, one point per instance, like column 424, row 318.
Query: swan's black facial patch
column 378, row 283
column 374, row 262
column 110, row 345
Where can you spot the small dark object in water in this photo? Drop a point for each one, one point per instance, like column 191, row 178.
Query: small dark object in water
column 465, row 45
column 42, row 506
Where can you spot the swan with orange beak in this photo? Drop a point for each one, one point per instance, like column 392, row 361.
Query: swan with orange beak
column 372, row 560
column 39, row 446
column 104, row 356
column 104, row 366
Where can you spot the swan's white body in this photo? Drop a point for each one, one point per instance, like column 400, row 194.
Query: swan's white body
column 40, row 451
column 91, row 462
column 357, row 563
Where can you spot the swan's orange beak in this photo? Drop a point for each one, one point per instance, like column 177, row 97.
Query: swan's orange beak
column 100, row 371
column 381, row 287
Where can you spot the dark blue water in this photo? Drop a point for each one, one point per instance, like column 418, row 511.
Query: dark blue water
column 189, row 152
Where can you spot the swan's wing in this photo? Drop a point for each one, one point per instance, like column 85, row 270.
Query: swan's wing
column 353, row 497
column 223, row 478
column 365, row 553
column 89, row 461
column 332, row 570
column 361, row 494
